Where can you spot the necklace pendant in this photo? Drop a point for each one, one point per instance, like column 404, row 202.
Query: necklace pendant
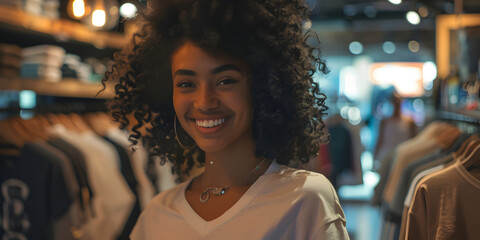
column 217, row 191
column 204, row 196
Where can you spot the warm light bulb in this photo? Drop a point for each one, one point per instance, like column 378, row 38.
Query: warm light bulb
column 104, row 16
column 98, row 18
column 78, row 8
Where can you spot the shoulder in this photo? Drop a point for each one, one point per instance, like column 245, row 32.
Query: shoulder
column 306, row 196
column 310, row 181
column 309, row 185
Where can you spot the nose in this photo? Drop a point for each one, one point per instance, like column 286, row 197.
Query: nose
column 206, row 99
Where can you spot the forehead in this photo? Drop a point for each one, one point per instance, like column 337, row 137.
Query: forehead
column 190, row 56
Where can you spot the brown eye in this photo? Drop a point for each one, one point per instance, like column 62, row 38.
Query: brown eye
column 226, row 82
column 185, row 85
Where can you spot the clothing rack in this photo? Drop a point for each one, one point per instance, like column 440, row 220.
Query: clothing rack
column 466, row 123
column 457, row 117
column 51, row 104
column 42, row 104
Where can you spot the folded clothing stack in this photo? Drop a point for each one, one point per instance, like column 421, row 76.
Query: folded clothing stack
column 47, row 8
column 50, row 9
column 73, row 67
column 10, row 58
column 42, row 61
column 34, row 7
column 98, row 67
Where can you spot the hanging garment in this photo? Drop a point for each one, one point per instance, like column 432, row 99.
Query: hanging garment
column 386, row 164
column 113, row 200
column 77, row 159
column 445, row 206
column 355, row 177
column 409, row 197
column 68, row 226
column 416, row 148
column 421, row 146
column 33, row 194
column 139, row 158
column 394, row 131
column 341, row 150
column 127, row 172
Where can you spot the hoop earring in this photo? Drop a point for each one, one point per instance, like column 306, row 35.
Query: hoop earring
column 176, row 136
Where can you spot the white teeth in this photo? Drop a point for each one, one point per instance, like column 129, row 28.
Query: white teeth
column 210, row 123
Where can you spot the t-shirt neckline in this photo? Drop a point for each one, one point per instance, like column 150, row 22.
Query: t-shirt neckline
column 202, row 226
column 466, row 175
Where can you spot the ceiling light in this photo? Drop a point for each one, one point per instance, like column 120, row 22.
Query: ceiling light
column 413, row 46
column 355, row 47
column 413, row 17
column 396, row 2
column 389, row 47
column 370, row 11
column 349, row 10
column 423, row 11
column 128, row 10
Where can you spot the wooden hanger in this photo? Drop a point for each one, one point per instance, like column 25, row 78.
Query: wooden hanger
column 10, row 138
column 53, row 119
column 67, row 122
column 460, row 151
column 473, row 159
column 79, row 123
column 20, row 129
column 447, row 136
column 95, row 124
column 431, row 129
column 13, row 137
column 43, row 121
column 474, row 142
column 33, row 128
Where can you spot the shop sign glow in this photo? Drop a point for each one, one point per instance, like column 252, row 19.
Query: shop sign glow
column 406, row 77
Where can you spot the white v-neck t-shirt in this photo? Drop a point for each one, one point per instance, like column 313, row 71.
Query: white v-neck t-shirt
column 284, row 203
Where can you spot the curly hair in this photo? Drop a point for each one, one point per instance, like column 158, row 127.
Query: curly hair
column 267, row 35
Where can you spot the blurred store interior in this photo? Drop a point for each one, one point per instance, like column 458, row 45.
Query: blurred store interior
column 395, row 66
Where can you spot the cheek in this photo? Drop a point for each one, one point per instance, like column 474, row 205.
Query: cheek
column 243, row 107
column 179, row 104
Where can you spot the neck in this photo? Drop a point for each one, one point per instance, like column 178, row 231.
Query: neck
column 231, row 165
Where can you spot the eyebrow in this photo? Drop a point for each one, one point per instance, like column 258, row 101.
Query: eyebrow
column 217, row 70
column 226, row 67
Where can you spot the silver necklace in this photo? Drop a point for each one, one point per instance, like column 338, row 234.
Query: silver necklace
column 219, row 191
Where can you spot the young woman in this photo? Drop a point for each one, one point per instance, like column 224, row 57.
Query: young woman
column 227, row 85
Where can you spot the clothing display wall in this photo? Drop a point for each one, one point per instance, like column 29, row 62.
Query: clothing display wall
column 430, row 186
column 62, row 180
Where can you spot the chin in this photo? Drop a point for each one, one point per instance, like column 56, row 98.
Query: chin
column 209, row 146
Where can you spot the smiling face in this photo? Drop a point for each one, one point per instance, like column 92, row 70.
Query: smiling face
column 212, row 98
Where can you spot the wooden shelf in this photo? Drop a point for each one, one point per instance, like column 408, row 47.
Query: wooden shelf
column 444, row 26
column 62, row 28
column 64, row 88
